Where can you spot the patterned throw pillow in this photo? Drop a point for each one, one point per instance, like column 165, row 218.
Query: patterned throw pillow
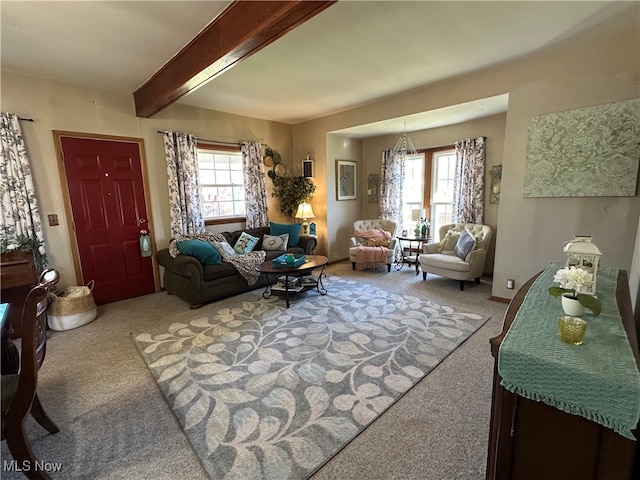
column 226, row 250
column 448, row 243
column 245, row 243
column 466, row 243
column 275, row 242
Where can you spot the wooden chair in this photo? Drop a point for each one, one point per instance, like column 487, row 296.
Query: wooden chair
column 19, row 396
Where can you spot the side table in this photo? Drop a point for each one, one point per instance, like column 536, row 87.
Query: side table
column 410, row 253
column 312, row 262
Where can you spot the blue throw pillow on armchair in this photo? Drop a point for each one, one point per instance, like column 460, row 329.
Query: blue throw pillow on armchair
column 465, row 244
column 293, row 229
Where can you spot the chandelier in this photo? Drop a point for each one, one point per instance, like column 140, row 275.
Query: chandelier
column 404, row 146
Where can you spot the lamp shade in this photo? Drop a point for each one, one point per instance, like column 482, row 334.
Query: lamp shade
column 304, row 211
column 417, row 214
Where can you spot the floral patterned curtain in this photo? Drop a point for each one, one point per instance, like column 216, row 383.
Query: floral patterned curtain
column 185, row 203
column 468, row 183
column 255, row 190
column 20, row 223
column 391, row 182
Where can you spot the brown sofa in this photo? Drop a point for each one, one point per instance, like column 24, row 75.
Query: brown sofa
column 197, row 284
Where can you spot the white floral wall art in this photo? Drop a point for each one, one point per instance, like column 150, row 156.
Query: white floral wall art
column 587, row 152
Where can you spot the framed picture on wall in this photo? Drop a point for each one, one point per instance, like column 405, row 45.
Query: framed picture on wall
column 307, row 168
column 346, row 180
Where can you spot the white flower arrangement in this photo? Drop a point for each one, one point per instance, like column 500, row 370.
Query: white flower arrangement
column 571, row 281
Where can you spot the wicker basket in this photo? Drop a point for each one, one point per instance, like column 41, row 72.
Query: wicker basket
column 75, row 308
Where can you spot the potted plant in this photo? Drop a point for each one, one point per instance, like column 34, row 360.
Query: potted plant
column 571, row 279
column 24, row 243
column 292, row 191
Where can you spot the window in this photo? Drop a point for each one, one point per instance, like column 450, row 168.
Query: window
column 221, row 182
column 413, row 188
column 443, row 164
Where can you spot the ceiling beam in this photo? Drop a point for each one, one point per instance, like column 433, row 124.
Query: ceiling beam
column 238, row 32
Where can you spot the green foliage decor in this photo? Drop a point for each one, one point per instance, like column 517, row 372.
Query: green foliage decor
column 292, row 191
column 26, row 243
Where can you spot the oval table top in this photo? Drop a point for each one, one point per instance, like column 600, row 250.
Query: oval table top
column 312, row 261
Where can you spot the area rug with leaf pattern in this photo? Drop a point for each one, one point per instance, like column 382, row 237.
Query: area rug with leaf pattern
column 268, row 392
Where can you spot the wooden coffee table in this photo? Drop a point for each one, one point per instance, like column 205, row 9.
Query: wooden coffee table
column 301, row 273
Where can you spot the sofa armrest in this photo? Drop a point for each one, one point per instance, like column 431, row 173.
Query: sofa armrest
column 183, row 265
column 308, row 243
column 353, row 242
column 433, row 247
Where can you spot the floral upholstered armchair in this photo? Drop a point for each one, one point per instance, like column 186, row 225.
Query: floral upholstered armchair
column 373, row 243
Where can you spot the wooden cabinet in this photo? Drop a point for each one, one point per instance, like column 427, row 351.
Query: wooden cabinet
column 17, row 276
column 532, row 440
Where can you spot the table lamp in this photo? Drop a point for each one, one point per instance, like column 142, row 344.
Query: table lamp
column 304, row 212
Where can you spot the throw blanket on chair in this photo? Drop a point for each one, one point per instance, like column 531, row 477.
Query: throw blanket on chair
column 371, row 257
column 374, row 253
column 374, row 237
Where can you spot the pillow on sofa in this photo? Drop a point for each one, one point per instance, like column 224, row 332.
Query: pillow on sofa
column 466, row 243
column 448, row 243
column 293, row 229
column 202, row 251
column 245, row 243
column 226, row 251
column 275, row 242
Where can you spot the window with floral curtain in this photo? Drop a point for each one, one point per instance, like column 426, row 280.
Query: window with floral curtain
column 468, row 183
column 20, row 223
column 391, row 186
column 255, row 189
column 185, row 203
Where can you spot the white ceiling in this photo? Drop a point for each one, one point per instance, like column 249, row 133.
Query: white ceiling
column 350, row 54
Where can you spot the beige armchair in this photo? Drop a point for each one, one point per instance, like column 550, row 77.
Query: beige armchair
column 442, row 259
column 378, row 224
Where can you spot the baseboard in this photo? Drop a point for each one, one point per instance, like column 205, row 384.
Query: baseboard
column 499, row 299
column 340, row 260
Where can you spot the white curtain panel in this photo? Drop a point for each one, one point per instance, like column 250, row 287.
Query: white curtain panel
column 20, row 215
column 185, row 204
column 468, row 183
column 391, row 187
column 255, row 190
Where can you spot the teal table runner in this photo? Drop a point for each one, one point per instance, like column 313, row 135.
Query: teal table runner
column 598, row 380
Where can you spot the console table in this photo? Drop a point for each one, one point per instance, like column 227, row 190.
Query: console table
column 532, row 440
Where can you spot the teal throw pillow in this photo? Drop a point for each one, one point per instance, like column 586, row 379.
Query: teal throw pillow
column 202, row 251
column 293, row 229
column 465, row 244
column 245, row 244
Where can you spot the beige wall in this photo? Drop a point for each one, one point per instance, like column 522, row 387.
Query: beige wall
column 492, row 127
column 599, row 66
column 60, row 106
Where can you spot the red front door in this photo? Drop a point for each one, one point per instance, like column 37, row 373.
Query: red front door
column 109, row 210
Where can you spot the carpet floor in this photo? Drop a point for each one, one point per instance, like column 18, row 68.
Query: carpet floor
column 115, row 424
column 265, row 392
